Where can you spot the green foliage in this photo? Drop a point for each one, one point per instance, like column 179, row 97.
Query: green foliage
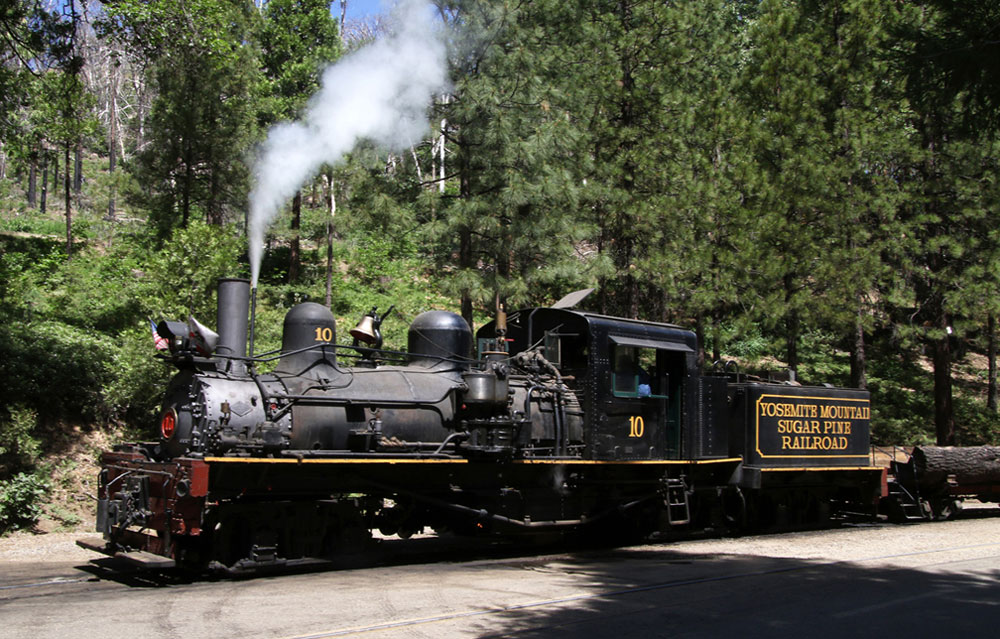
column 746, row 345
column 902, row 405
column 68, row 520
column 62, row 108
column 34, row 38
column 20, row 448
column 161, row 27
column 201, row 123
column 36, row 225
column 54, row 367
column 823, row 361
column 75, row 341
column 953, row 54
column 787, row 175
column 371, row 270
column 511, row 222
column 177, row 281
column 20, row 501
column 976, row 425
column 180, row 278
column 297, row 40
column 135, row 380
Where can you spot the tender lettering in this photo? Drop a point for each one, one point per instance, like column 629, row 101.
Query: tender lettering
column 813, row 442
column 772, row 409
column 842, row 411
column 812, row 424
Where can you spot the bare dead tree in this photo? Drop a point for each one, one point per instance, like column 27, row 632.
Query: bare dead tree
column 332, row 200
column 358, row 32
column 113, row 74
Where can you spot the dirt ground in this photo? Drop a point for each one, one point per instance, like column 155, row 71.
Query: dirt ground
column 30, row 547
column 71, row 503
column 71, row 506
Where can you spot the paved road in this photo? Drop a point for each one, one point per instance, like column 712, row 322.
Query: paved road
column 940, row 580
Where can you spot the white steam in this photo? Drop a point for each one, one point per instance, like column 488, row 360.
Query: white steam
column 380, row 92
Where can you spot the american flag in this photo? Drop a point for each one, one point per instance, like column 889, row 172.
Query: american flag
column 159, row 342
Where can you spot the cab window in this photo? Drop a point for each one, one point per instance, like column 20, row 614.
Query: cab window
column 638, row 372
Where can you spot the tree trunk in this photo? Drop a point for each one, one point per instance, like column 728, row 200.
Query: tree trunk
column 792, row 346
column 603, row 240
column 441, row 154
column 699, row 331
column 792, row 324
column 438, row 171
column 214, row 213
column 465, row 236
column 294, row 258
column 716, row 312
column 188, row 183
column 329, row 240
column 859, row 364
column 69, row 210
column 112, row 134
column 968, row 465
column 632, row 282
column 32, row 184
column 991, row 355
column 78, row 168
column 930, row 288
column 630, row 169
column 716, row 337
column 416, row 164
column 944, row 416
column 465, row 262
column 141, row 108
column 112, row 162
column 45, row 183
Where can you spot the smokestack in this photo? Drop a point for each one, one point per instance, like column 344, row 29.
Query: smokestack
column 234, row 307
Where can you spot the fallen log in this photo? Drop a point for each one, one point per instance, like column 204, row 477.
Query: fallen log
column 968, row 465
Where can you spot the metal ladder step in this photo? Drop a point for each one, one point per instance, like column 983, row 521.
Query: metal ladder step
column 910, row 505
column 676, row 501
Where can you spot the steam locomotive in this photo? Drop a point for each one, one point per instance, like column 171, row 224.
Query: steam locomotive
column 564, row 421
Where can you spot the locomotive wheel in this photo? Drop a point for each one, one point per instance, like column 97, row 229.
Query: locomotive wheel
column 231, row 540
column 734, row 510
column 945, row 509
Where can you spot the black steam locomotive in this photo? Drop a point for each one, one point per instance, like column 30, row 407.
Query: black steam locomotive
column 565, row 421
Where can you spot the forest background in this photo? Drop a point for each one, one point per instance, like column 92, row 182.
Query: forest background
column 811, row 186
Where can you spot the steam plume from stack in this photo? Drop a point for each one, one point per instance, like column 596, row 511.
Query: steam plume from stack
column 380, row 92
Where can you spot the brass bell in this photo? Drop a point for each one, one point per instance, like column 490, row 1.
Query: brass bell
column 365, row 330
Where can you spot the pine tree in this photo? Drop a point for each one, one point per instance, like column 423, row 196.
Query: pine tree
column 863, row 118
column 792, row 144
column 947, row 215
column 625, row 107
column 698, row 260
column 204, row 72
column 826, row 139
column 511, row 139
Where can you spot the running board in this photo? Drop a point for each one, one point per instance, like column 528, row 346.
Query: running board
column 138, row 558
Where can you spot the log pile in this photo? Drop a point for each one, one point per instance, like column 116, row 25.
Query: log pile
column 971, row 465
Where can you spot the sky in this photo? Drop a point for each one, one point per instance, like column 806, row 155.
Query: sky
column 361, row 8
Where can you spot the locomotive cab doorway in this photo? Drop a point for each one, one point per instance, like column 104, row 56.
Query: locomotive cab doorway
column 645, row 405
